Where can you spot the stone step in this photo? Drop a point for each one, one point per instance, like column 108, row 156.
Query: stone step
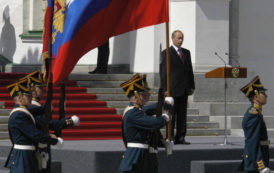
column 206, row 132
column 4, row 112
column 113, row 90
column 2, row 163
column 119, row 97
column 197, row 118
column 4, row 119
column 236, row 122
column 100, row 77
column 202, row 132
column 4, row 127
column 4, row 135
column 122, row 104
column 190, row 111
column 237, row 108
column 240, row 133
column 202, row 125
column 98, row 84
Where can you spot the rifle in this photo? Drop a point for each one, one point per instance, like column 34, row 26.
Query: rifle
column 156, row 134
column 48, row 104
column 62, row 103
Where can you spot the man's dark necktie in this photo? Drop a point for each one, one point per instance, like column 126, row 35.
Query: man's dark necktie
column 181, row 55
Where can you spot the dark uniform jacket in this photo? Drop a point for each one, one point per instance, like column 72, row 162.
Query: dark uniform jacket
column 38, row 113
column 56, row 125
column 256, row 151
column 23, row 131
column 136, row 128
column 181, row 73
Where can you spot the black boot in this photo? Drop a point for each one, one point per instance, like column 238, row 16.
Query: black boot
column 99, row 70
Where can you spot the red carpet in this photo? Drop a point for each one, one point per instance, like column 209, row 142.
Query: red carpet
column 98, row 122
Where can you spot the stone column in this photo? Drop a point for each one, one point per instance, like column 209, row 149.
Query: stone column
column 234, row 33
column 212, row 33
column 33, row 15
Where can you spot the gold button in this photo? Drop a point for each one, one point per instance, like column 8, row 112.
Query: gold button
column 13, row 163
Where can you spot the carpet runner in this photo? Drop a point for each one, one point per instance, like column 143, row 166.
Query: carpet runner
column 97, row 120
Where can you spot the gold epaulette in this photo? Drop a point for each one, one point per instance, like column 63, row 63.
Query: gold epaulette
column 260, row 165
column 253, row 111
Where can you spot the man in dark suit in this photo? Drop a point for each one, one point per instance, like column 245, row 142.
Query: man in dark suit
column 181, row 83
column 102, row 59
column 256, row 151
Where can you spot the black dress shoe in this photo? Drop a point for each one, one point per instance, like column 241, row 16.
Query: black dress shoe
column 98, row 71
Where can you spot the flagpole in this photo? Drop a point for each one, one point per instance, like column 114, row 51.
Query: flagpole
column 48, row 104
column 168, row 70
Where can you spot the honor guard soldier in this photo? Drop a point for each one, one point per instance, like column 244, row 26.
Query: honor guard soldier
column 137, row 125
column 35, row 84
column 23, row 132
column 256, row 150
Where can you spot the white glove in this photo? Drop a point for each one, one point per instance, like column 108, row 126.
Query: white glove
column 169, row 100
column 165, row 116
column 168, row 145
column 60, row 142
column 75, row 119
column 265, row 170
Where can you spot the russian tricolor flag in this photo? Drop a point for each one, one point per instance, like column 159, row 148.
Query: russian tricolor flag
column 81, row 25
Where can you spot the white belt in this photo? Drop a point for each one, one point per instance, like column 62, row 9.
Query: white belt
column 137, row 145
column 267, row 142
column 24, row 147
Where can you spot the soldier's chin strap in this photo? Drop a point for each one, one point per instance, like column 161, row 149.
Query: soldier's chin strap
column 258, row 97
column 23, row 101
column 138, row 98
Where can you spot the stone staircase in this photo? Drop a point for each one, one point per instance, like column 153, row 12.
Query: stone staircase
column 107, row 88
column 209, row 99
column 204, row 118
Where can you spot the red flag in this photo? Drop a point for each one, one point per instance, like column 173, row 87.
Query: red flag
column 80, row 26
column 47, row 34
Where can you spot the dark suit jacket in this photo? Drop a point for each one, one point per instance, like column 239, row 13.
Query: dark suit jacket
column 181, row 74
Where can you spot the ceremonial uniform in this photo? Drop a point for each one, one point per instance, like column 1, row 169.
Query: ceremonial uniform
column 24, row 135
column 35, row 84
column 256, row 150
column 137, row 126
